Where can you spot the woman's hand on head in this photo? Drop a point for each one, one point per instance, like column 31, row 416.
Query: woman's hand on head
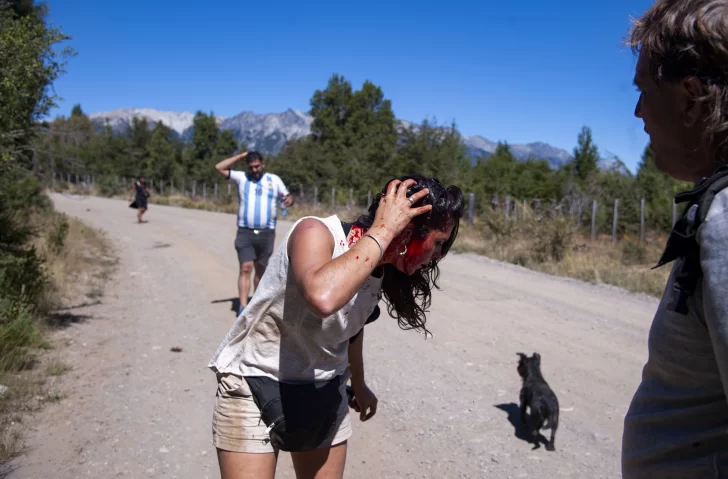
column 395, row 210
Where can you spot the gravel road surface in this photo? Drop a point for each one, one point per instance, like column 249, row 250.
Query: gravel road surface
column 447, row 405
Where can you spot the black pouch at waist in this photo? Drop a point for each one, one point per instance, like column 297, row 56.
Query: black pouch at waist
column 300, row 417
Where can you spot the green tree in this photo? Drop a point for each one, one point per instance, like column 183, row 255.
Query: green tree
column 586, row 155
column 658, row 190
column 29, row 63
column 161, row 156
column 226, row 145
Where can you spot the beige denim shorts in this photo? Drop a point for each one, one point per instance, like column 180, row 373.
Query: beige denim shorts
column 236, row 422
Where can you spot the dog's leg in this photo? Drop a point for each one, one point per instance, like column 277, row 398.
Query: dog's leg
column 523, row 408
column 553, row 424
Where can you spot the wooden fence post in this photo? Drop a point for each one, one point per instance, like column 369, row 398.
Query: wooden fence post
column 351, row 197
column 471, row 208
column 369, row 198
column 215, row 190
column 614, row 220
column 642, row 220
column 204, row 191
column 333, row 198
column 594, row 221
column 507, row 207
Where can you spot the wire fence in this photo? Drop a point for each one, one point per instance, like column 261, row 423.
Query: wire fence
column 592, row 216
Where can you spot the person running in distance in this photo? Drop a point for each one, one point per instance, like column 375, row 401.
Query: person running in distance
column 259, row 193
column 282, row 369
column 139, row 195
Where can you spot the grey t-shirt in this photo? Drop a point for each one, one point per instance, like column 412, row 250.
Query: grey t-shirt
column 677, row 423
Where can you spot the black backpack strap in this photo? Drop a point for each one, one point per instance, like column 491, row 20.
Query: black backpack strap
column 682, row 242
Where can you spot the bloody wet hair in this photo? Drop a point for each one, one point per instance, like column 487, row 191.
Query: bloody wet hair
column 408, row 297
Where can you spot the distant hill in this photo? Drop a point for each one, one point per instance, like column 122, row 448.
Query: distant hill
column 268, row 132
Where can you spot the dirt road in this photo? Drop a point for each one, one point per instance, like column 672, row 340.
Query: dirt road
column 448, row 405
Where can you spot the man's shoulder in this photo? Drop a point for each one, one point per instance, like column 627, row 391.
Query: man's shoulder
column 273, row 177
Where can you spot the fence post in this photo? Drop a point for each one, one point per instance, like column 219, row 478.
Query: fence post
column 642, row 220
column 161, row 188
column 614, row 220
column 471, row 208
column 215, row 190
column 674, row 213
column 300, row 191
column 315, row 197
column 54, row 180
column 76, row 178
column 194, row 188
column 204, row 191
column 151, row 184
column 333, row 198
column 68, row 178
column 171, row 186
column 507, row 207
column 351, row 197
column 594, row 221
column 369, row 198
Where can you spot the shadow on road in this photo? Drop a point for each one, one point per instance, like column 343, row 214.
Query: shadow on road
column 64, row 320
column 77, row 306
column 520, row 431
column 234, row 304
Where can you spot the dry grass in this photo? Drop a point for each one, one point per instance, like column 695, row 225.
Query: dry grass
column 625, row 264
column 79, row 267
column 57, row 368
column 78, row 262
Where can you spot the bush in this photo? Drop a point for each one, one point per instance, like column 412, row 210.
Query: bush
column 552, row 239
column 108, row 186
column 633, row 253
column 58, row 234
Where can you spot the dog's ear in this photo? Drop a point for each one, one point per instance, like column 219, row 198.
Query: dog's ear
column 536, row 357
column 522, row 356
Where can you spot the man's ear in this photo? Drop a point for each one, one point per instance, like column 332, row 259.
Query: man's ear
column 692, row 90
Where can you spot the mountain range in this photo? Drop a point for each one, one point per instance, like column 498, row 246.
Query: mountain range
column 268, row 132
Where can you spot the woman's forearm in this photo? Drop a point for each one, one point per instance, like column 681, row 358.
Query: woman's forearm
column 356, row 361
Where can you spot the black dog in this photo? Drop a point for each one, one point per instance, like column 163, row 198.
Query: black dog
column 538, row 396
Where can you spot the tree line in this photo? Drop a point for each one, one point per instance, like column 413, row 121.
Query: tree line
column 357, row 143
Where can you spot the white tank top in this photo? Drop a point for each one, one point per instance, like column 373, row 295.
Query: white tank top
column 278, row 337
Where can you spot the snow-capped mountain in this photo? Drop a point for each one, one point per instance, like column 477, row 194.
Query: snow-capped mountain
column 120, row 119
column 268, row 132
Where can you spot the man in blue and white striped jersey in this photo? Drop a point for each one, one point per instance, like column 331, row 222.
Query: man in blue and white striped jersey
column 260, row 193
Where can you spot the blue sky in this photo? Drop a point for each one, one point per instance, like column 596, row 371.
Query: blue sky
column 521, row 72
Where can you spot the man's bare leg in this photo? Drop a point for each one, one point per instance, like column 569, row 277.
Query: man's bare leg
column 259, row 270
column 244, row 282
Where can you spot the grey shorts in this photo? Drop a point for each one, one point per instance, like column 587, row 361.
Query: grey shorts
column 255, row 245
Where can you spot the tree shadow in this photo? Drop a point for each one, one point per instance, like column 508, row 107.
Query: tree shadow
column 76, row 306
column 63, row 320
column 521, row 431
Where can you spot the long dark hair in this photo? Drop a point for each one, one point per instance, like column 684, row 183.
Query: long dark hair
column 408, row 297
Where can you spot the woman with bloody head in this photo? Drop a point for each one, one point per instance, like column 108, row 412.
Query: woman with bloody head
column 283, row 368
